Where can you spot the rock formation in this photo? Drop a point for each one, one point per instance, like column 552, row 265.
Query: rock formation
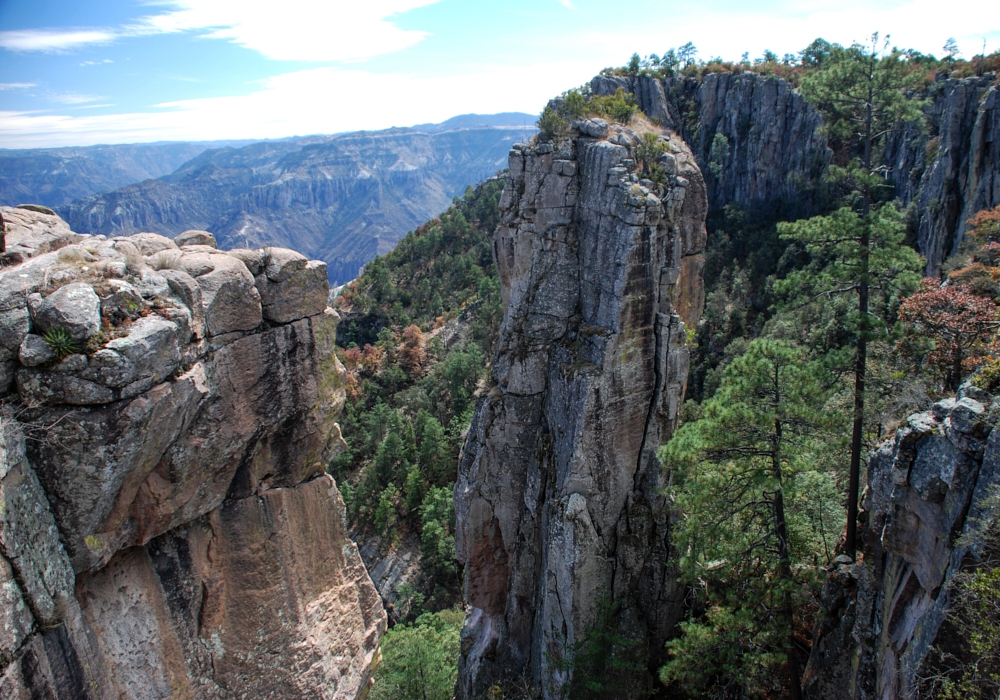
column 557, row 499
column 166, row 525
column 948, row 166
column 928, row 490
column 776, row 153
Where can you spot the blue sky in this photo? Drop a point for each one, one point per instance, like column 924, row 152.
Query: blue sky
column 80, row 72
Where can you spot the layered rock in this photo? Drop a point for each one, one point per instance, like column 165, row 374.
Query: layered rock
column 928, row 495
column 558, row 500
column 168, row 529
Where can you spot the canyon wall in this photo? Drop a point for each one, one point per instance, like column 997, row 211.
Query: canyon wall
column 948, row 166
column 558, row 497
column 929, row 491
column 167, row 528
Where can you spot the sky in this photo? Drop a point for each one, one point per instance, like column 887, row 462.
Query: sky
column 82, row 72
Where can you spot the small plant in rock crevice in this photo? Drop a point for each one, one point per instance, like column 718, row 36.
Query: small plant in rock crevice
column 61, row 342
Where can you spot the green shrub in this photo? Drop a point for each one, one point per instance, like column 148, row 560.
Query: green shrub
column 420, row 660
column 61, row 342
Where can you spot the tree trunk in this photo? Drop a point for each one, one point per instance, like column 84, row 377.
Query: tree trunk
column 785, row 568
column 861, row 358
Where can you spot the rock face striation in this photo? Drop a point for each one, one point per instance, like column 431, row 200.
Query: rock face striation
column 775, row 153
column 928, row 495
column 557, row 498
column 166, row 525
column 951, row 169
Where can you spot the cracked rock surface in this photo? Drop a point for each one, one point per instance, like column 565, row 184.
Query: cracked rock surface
column 166, row 526
column 557, row 498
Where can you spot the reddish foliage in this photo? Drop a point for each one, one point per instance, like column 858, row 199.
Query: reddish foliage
column 413, row 353
column 985, row 225
column 956, row 323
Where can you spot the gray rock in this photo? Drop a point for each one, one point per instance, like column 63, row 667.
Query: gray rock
column 151, row 243
column 186, row 288
column 253, row 259
column 231, row 301
column 151, row 349
column 124, row 305
column 559, row 493
column 194, row 237
column 76, row 308
column 594, row 128
column 34, row 351
column 42, row 387
column 14, row 326
column 304, row 293
column 282, row 263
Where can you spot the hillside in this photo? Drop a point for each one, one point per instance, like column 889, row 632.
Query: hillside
column 341, row 199
column 55, row 177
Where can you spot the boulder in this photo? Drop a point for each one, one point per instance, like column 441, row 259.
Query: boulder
column 152, row 350
column 76, row 308
column 195, row 237
column 282, row 263
column 229, row 297
column 124, row 305
column 304, row 293
column 35, row 351
column 151, row 243
column 42, row 387
column 253, row 259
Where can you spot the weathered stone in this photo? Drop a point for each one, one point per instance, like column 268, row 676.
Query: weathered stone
column 194, row 237
column 35, row 351
column 590, row 370
column 14, row 326
column 230, row 300
column 185, row 287
column 43, row 387
column 151, row 350
column 151, row 243
column 594, row 128
column 303, row 293
column 31, row 233
column 124, row 305
column 75, row 308
column 282, row 263
column 253, row 259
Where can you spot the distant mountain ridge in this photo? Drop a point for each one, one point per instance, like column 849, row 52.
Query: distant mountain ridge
column 342, row 199
column 57, row 176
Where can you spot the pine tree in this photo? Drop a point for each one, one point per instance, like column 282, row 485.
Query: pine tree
column 737, row 468
column 865, row 92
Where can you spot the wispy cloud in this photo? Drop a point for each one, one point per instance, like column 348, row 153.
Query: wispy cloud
column 96, row 63
column 566, row 3
column 72, row 98
column 16, row 86
column 303, row 30
column 53, row 40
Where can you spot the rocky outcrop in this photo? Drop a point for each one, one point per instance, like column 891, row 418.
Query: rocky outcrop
column 558, row 499
column 950, row 167
column 927, row 499
column 774, row 153
column 168, row 529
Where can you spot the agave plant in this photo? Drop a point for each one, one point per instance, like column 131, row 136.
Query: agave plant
column 61, row 342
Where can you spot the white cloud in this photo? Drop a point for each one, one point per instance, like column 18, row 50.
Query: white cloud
column 73, row 98
column 303, row 30
column 16, row 86
column 53, row 40
column 96, row 63
column 300, row 30
column 316, row 101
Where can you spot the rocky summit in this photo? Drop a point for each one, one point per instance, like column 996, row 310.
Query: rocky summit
column 167, row 528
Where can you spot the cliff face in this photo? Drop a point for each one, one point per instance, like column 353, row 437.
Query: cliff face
column 557, row 498
column 341, row 199
column 948, row 166
column 928, row 492
column 166, row 527
column 776, row 151
column 951, row 169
